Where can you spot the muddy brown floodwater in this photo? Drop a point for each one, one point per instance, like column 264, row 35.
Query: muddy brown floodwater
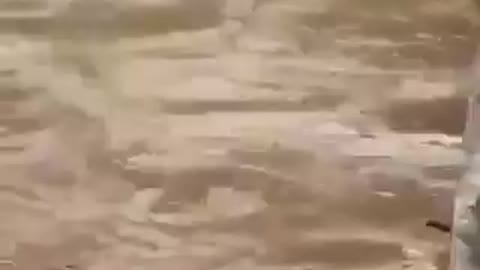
column 231, row 134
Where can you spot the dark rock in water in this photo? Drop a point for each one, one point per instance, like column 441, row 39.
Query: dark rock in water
column 444, row 115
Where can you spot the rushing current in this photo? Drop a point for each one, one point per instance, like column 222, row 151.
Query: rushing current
column 231, row 134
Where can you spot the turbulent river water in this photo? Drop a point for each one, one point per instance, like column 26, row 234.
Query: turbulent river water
column 231, row 134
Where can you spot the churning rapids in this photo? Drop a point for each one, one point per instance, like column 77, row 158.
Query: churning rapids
column 231, row 134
